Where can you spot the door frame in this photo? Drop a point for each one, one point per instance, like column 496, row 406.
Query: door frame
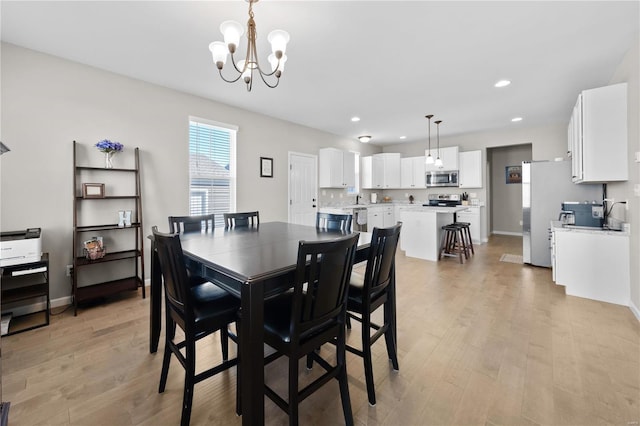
column 315, row 180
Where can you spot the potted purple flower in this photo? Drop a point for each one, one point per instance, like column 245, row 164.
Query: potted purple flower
column 109, row 148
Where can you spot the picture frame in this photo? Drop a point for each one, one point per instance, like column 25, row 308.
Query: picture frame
column 93, row 190
column 513, row 174
column 266, row 167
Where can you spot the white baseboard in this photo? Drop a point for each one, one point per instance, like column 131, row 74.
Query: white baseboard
column 635, row 310
column 515, row 234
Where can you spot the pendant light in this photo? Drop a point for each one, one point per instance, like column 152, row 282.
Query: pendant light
column 438, row 162
column 429, row 159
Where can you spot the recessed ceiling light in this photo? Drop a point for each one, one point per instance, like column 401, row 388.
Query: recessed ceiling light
column 502, row 83
column 514, row 119
column 364, row 139
column 403, row 137
column 354, row 119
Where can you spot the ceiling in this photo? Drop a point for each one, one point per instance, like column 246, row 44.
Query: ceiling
column 388, row 62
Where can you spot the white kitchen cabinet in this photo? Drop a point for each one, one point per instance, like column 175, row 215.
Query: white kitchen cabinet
column 470, row 163
column 592, row 264
column 597, row 135
column 337, row 168
column 380, row 217
column 386, row 170
column 472, row 216
column 366, row 172
column 412, row 171
column 449, row 157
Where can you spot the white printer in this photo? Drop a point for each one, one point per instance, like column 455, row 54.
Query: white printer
column 17, row 247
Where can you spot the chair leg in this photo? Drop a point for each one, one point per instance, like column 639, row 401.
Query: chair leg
column 366, row 351
column 224, row 342
column 343, row 380
column 348, row 322
column 166, row 360
column 389, row 337
column 293, row 391
column 190, row 372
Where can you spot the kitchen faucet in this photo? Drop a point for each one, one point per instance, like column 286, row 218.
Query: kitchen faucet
column 357, row 198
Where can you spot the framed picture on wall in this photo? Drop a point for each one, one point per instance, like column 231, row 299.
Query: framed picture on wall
column 266, row 167
column 513, row 174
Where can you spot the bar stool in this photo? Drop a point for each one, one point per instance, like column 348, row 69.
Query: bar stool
column 466, row 232
column 452, row 243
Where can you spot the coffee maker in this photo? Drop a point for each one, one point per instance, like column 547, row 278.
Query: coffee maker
column 583, row 214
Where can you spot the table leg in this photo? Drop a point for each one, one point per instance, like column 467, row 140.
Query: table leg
column 252, row 353
column 155, row 319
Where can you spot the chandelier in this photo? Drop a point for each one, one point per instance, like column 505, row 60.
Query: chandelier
column 249, row 67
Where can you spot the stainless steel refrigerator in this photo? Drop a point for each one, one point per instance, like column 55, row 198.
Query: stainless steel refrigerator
column 545, row 185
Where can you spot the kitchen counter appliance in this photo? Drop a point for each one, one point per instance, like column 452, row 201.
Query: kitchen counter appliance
column 444, row 200
column 442, row 178
column 584, row 214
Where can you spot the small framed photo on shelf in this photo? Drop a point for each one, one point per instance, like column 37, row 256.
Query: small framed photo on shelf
column 93, row 190
column 266, row 167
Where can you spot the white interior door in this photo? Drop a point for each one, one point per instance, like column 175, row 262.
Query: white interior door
column 303, row 188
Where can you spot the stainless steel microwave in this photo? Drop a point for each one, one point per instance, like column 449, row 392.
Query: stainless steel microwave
column 442, row 178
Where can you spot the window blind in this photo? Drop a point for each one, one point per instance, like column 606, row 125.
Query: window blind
column 211, row 183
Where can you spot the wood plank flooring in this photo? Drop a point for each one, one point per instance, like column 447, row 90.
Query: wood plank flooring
column 486, row 342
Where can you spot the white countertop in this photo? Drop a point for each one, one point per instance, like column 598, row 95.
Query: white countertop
column 433, row 209
column 559, row 226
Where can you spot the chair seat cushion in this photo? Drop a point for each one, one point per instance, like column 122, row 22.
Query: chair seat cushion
column 213, row 303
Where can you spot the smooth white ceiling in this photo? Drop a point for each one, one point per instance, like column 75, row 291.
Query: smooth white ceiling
column 388, row 62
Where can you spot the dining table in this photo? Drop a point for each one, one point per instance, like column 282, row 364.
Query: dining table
column 251, row 263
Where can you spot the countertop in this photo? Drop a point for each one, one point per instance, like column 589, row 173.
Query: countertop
column 433, row 209
column 559, row 226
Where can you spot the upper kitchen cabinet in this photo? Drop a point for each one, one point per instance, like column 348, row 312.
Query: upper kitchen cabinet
column 470, row 163
column 337, row 168
column 366, row 172
column 412, row 171
column 449, row 157
column 386, row 171
column 597, row 135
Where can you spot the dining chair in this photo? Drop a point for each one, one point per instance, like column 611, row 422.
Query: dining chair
column 185, row 224
column 232, row 220
column 333, row 222
column 297, row 322
column 198, row 223
column 198, row 310
column 370, row 291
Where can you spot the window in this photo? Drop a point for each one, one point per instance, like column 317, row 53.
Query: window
column 212, row 168
column 353, row 190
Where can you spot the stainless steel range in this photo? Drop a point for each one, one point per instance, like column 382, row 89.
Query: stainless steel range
column 444, row 200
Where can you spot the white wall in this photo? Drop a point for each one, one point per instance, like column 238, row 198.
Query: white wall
column 629, row 71
column 48, row 102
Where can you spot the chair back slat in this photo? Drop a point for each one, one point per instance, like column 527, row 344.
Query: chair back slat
column 325, row 267
column 186, row 224
column 333, row 222
column 174, row 271
column 241, row 219
column 382, row 251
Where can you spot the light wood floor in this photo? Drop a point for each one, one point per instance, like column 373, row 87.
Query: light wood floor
column 487, row 342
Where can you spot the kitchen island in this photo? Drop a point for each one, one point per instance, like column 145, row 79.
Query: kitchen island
column 422, row 229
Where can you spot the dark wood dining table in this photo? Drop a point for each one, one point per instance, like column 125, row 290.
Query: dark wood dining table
column 251, row 263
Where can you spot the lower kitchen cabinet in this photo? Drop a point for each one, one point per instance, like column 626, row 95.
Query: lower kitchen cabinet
column 592, row 264
column 23, row 287
column 380, row 217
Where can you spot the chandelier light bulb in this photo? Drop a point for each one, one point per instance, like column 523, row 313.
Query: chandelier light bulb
column 275, row 65
column 232, row 31
column 438, row 162
column 219, row 51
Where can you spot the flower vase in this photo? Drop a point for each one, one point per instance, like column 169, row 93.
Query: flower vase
column 107, row 160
